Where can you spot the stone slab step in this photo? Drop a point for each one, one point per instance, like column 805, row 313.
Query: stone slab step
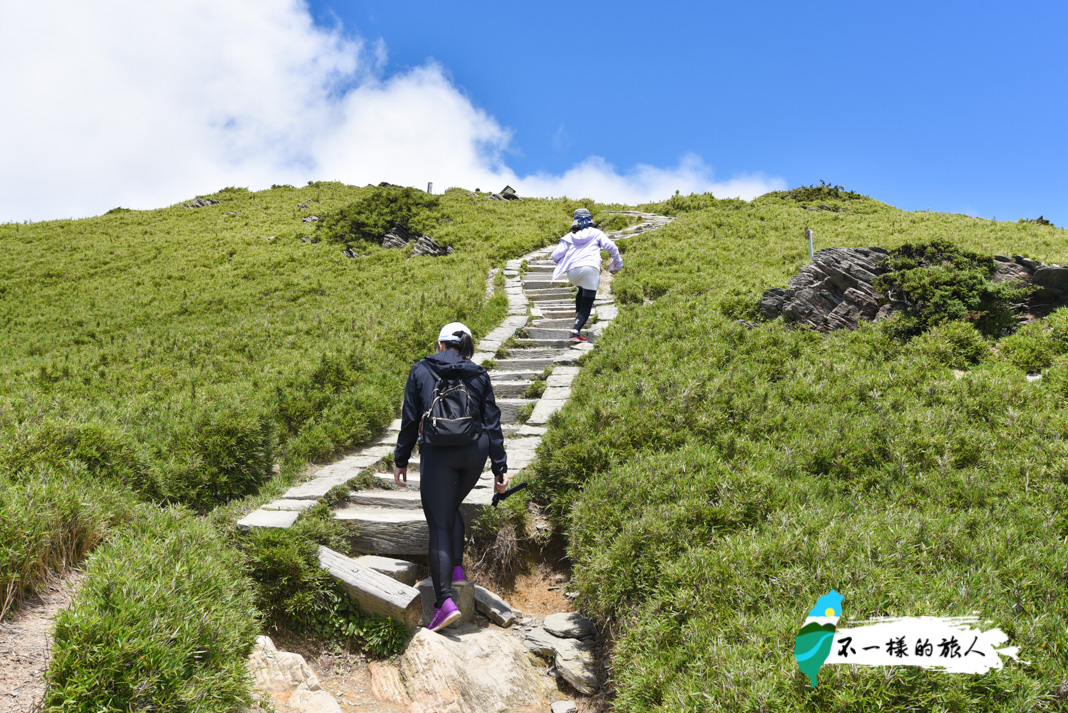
column 556, row 343
column 510, row 408
column 538, row 363
column 511, row 389
column 544, row 284
column 513, row 375
column 551, row 296
column 403, row 571
column 409, row 498
column 386, row 531
column 552, row 333
column 264, row 519
column 374, row 592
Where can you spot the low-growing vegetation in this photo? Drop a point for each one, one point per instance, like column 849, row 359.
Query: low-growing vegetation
column 716, row 477
column 200, row 358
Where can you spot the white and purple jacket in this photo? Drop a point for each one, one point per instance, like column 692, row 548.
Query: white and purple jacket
column 583, row 249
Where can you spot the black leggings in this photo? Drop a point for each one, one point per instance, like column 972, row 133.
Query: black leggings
column 446, row 476
column 583, row 306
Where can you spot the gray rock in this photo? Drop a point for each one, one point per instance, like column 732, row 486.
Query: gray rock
column 1055, row 278
column 478, row 671
column 201, row 203
column 287, row 679
column 831, row 292
column 310, row 219
column 568, row 625
column 564, row 707
column 1011, row 272
column 493, row 607
column 574, row 660
column 1027, row 262
column 425, row 245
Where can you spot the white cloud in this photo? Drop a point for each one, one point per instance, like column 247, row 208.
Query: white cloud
column 123, row 102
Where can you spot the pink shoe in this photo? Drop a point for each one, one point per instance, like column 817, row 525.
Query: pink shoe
column 458, row 575
column 444, row 615
column 576, row 337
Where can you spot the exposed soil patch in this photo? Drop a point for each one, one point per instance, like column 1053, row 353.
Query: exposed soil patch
column 25, row 645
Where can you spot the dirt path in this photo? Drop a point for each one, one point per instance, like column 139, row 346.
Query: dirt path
column 25, row 645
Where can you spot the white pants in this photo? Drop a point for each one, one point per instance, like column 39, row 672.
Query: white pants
column 586, row 277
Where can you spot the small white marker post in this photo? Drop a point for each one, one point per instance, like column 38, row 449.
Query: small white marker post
column 430, row 187
column 808, row 234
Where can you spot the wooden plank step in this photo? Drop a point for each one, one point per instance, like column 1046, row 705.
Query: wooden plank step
column 374, row 592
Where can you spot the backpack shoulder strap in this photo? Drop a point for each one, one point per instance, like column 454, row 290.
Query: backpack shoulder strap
column 433, row 374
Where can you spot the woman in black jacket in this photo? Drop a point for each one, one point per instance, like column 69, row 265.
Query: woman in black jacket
column 448, row 473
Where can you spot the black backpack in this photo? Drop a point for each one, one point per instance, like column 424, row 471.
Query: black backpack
column 454, row 417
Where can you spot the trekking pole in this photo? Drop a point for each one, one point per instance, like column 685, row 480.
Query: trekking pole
column 497, row 497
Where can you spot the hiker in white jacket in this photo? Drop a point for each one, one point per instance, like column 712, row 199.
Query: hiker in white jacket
column 579, row 257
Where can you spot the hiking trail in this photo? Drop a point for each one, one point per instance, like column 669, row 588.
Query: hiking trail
column 389, row 522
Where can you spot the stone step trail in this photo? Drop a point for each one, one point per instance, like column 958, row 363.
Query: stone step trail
column 388, row 522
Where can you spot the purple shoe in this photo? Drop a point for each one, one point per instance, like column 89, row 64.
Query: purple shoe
column 444, row 615
column 458, row 575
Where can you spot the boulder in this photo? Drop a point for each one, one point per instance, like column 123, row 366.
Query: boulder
column 479, row 671
column 1051, row 277
column 288, row 680
column 1010, row 272
column 564, row 707
column 568, row 625
column 575, row 661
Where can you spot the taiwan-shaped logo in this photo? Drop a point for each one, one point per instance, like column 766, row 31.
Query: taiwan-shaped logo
column 950, row 644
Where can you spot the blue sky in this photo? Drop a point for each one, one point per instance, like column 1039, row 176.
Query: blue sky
column 954, row 107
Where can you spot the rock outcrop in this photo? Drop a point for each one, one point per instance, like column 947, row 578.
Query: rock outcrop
column 287, row 679
column 835, row 289
column 399, row 237
column 478, row 671
column 201, row 203
column 831, row 292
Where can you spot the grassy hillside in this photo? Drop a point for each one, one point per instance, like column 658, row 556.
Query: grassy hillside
column 171, row 358
column 715, row 480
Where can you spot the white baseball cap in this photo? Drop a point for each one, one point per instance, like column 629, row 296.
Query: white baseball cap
column 448, row 332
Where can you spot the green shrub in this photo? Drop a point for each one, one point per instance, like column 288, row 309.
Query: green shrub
column 284, row 565
column 955, row 345
column 524, row 412
column 535, row 390
column 164, row 620
column 370, row 217
column 338, row 618
column 1036, row 345
column 49, row 520
column 940, row 282
column 222, row 453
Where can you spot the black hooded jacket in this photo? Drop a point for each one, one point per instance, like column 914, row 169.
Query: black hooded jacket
column 420, row 390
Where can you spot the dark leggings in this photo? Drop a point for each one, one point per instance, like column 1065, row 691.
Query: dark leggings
column 583, row 306
column 446, row 476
